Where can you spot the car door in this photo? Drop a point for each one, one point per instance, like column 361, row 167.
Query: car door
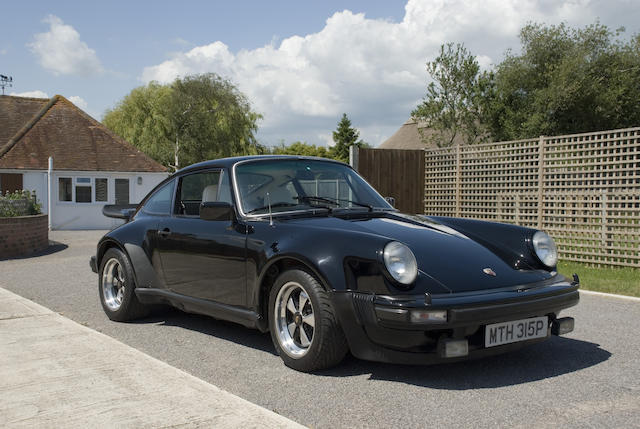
column 203, row 259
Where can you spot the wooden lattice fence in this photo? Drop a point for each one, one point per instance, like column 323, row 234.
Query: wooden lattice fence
column 583, row 189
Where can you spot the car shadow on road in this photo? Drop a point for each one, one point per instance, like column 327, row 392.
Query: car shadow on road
column 552, row 358
column 229, row 331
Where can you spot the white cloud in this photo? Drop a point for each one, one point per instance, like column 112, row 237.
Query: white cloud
column 61, row 51
column 33, row 94
column 78, row 101
column 372, row 69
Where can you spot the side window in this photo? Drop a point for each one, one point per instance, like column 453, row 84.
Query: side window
column 160, row 202
column 194, row 189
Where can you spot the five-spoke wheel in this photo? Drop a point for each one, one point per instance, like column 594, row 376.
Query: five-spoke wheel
column 304, row 328
column 113, row 284
column 295, row 320
column 117, row 287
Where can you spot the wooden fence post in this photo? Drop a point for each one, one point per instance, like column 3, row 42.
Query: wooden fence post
column 540, row 180
column 458, row 180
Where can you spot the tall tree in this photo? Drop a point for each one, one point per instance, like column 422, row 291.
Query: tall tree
column 193, row 119
column 142, row 118
column 344, row 137
column 566, row 80
column 452, row 107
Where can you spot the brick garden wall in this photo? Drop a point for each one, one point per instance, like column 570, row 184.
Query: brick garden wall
column 23, row 235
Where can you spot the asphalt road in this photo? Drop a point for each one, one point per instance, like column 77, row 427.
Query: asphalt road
column 590, row 378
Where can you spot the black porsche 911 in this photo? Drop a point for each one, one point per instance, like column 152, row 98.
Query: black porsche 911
column 306, row 249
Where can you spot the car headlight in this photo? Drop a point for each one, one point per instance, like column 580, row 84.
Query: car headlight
column 545, row 249
column 400, row 262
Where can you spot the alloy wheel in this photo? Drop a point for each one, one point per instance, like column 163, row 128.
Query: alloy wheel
column 295, row 320
column 113, row 284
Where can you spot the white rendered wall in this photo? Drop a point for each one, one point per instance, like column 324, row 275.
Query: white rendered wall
column 73, row 215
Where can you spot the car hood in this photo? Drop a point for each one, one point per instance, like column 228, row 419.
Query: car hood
column 451, row 258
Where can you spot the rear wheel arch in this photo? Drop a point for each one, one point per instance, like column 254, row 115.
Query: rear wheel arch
column 116, row 286
column 109, row 244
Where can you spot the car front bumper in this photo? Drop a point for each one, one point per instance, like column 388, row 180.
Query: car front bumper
column 381, row 328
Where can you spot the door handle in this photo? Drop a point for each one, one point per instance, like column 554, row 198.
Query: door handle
column 164, row 233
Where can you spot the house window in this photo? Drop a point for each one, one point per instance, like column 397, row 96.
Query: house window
column 102, row 190
column 83, row 190
column 122, row 191
column 64, row 189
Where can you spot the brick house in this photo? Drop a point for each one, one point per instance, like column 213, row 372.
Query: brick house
column 91, row 165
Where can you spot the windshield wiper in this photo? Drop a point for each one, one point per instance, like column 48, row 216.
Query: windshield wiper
column 334, row 201
column 272, row 206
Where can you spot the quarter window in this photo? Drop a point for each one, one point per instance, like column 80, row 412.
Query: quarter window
column 160, row 201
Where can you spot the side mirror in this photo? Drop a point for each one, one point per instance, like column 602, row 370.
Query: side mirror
column 216, row 211
column 119, row 211
column 391, row 201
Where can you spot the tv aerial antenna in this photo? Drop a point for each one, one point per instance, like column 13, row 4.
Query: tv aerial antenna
column 5, row 81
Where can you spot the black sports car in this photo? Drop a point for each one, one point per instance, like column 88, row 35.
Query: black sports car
column 305, row 248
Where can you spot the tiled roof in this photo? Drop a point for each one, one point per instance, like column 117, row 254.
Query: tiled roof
column 409, row 137
column 33, row 129
column 15, row 112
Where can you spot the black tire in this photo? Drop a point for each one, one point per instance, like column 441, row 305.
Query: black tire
column 328, row 345
column 128, row 307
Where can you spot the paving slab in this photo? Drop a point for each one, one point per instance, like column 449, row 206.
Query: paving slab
column 57, row 373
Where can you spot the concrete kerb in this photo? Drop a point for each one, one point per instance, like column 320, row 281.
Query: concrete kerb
column 610, row 295
column 55, row 372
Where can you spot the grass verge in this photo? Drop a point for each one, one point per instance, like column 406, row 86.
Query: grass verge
column 622, row 281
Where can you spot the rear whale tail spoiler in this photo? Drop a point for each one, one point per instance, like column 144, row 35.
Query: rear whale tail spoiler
column 119, row 211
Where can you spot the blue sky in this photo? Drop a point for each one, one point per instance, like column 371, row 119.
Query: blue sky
column 301, row 63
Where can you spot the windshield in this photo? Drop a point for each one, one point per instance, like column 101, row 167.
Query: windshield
column 302, row 184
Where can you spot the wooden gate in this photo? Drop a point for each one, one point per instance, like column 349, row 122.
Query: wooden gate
column 395, row 173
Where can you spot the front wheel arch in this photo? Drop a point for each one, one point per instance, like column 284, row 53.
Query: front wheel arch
column 269, row 275
column 320, row 345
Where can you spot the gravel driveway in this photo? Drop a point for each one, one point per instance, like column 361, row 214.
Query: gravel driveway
column 590, row 378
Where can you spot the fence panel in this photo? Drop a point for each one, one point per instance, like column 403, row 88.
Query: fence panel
column 441, row 189
column 584, row 189
column 395, row 173
column 492, row 171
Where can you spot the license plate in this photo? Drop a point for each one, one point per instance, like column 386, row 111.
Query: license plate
column 515, row 330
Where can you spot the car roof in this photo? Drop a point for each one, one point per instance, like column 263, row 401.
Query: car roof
column 230, row 162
